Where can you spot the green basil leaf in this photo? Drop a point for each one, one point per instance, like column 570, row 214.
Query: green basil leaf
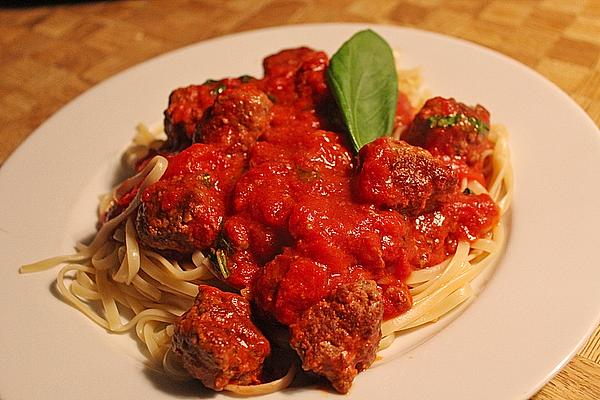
column 363, row 80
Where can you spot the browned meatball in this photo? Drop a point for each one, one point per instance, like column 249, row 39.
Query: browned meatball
column 397, row 175
column 296, row 76
column 182, row 214
column 339, row 336
column 248, row 245
column 189, row 105
column 456, row 132
column 237, row 118
column 185, row 110
column 447, row 127
column 217, row 341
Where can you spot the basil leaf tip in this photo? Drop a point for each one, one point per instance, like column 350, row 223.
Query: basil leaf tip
column 362, row 77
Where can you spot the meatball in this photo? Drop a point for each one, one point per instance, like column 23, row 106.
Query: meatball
column 218, row 170
column 289, row 285
column 296, row 74
column 236, row 120
column 266, row 193
column 181, row 214
column 244, row 233
column 448, row 127
column 454, row 131
column 184, row 210
column 463, row 217
column 218, row 342
column 188, row 107
column 322, row 151
column 397, row 175
column 185, row 110
column 248, row 245
column 311, row 83
column 339, row 336
column 341, row 234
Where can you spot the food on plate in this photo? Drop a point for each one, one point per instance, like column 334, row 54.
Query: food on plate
column 218, row 342
column 300, row 219
column 339, row 336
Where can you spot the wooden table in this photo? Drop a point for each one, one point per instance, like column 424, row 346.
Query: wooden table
column 50, row 54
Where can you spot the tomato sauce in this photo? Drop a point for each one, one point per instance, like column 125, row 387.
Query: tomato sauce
column 302, row 214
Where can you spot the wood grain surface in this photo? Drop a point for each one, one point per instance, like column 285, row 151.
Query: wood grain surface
column 52, row 52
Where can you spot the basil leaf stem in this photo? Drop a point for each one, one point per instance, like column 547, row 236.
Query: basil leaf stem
column 363, row 80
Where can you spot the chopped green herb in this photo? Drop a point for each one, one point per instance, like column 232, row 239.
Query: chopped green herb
column 219, row 89
column 218, row 256
column 206, row 180
column 479, row 125
column 307, row 175
column 444, row 121
column 219, row 260
column 210, row 81
column 467, row 191
column 246, row 78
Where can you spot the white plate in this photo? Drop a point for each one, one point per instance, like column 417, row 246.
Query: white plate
column 537, row 310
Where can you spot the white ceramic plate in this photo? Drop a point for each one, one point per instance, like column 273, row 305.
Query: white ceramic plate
column 538, row 308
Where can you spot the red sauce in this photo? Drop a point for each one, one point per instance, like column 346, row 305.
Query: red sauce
column 296, row 225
